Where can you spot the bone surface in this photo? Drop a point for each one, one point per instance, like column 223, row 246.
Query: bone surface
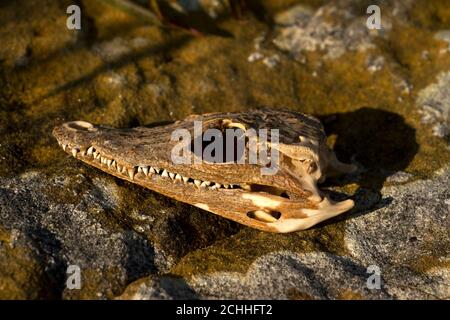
column 286, row 201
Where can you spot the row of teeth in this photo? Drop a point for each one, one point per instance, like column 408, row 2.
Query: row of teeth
column 149, row 171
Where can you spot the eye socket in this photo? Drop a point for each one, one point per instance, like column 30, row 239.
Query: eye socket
column 228, row 146
column 264, row 216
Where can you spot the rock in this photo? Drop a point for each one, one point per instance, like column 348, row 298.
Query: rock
column 298, row 14
column 118, row 47
column 73, row 233
column 407, row 238
column 434, row 101
column 154, row 287
column 84, row 229
column 443, row 35
column 255, row 56
column 400, row 239
column 284, row 275
column 399, row 177
column 22, row 276
column 332, row 29
column 272, row 61
column 375, row 64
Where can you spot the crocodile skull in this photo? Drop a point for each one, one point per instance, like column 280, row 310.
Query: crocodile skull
column 285, row 201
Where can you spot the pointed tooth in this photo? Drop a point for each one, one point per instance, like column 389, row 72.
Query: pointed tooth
column 64, row 146
column 145, row 170
column 171, row 175
column 206, row 183
column 109, row 162
column 131, row 173
column 197, row 182
column 245, row 186
column 152, row 170
column 139, row 170
column 226, row 186
column 164, row 173
column 83, row 152
column 90, row 150
column 124, row 169
column 185, row 179
column 74, row 152
column 217, row 185
column 157, row 170
column 119, row 168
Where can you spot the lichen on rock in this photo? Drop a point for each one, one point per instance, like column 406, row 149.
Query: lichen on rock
column 434, row 101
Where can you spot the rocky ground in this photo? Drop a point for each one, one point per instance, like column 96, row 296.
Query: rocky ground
column 384, row 98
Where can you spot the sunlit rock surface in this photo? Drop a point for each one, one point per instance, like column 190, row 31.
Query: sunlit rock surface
column 383, row 96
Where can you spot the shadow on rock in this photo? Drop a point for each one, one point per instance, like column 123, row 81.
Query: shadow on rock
column 140, row 260
column 49, row 252
column 380, row 142
column 159, row 287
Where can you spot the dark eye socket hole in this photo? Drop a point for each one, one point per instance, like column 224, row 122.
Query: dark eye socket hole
column 232, row 149
column 264, row 216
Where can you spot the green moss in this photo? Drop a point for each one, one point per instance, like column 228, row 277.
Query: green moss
column 236, row 253
column 294, row 294
column 429, row 262
column 22, row 276
column 434, row 14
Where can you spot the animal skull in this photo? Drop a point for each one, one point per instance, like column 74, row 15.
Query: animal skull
column 286, row 201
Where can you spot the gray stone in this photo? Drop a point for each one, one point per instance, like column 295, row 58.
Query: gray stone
column 434, row 103
column 402, row 236
column 71, row 220
column 443, row 35
column 314, row 32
